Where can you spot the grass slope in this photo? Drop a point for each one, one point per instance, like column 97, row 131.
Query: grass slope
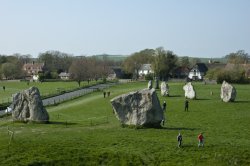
column 45, row 88
column 85, row 132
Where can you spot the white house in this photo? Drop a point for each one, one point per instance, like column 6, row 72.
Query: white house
column 197, row 72
column 64, row 76
column 145, row 69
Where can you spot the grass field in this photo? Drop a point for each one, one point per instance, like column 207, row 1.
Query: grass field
column 45, row 88
column 85, row 132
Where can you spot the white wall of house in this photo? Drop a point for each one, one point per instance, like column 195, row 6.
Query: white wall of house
column 195, row 74
column 145, row 69
column 144, row 72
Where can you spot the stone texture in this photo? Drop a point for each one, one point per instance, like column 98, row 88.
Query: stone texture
column 228, row 92
column 164, row 89
column 140, row 108
column 150, row 84
column 189, row 91
column 27, row 106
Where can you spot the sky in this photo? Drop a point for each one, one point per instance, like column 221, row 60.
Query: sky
column 196, row 28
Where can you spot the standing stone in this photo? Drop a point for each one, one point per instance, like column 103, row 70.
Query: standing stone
column 228, row 92
column 150, row 86
column 156, row 83
column 164, row 89
column 189, row 91
column 140, row 108
column 28, row 106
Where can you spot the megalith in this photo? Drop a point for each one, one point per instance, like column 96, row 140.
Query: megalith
column 228, row 92
column 189, row 91
column 164, row 89
column 28, row 106
column 140, row 108
column 150, row 84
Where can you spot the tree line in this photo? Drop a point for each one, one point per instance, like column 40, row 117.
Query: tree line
column 83, row 68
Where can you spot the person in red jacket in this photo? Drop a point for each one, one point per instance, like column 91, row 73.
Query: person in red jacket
column 201, row 140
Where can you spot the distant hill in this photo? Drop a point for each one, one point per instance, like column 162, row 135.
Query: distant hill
column 115, row 58
column 205, row 60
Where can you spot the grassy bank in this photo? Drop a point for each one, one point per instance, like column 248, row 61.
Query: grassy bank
column 85, row 132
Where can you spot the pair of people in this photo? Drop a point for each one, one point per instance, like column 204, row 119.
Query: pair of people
column 200, row 139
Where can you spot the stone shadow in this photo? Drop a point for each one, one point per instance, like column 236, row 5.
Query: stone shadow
column 174, row 96
column 179, row 128
column 242, row 101
column 61, row 123
column 202, row 99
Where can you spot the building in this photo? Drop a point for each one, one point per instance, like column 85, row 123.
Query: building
column 116, row 73
column 64, row 76
column 33, row 68
column 145, row 69
column 198, row 71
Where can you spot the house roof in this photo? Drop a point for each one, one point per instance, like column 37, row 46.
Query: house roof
column 64, row 74
column 33, row 65
column 201, row 67
column 216, row 65
column 146, row 67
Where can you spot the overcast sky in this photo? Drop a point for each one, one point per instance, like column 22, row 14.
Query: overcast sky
column 198, row 28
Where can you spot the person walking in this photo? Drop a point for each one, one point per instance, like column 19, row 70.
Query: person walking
column 186, row 105
column 179, row 139
column 164, row 106
column 104, row 94
column 201, row 140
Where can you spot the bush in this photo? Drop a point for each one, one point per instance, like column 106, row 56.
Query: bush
column 149, row 77
column 232, row 76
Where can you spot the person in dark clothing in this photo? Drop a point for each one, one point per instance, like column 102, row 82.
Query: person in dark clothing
column 108, row 93
column 186, row 105
column 179, row 139
column 3, row 88
column 104, row 94
column 164, row 106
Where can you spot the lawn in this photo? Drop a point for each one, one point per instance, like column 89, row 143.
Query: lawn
column 85, row 132
column 45, row 88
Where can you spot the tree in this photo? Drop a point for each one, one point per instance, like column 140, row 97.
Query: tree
column 133, row 63
column 164, row 63
column 9, row 70
column 56, row 61
column 184, row 62
column 78, row 70
column 238, row 57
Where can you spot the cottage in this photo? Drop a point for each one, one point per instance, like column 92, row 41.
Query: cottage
column 198, row 71
column 33, row 68
column 145, row 69
column 116, row 73
column 64, row 76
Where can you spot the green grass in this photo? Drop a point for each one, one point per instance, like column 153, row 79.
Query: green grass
column 45, row 88
column 85, row 132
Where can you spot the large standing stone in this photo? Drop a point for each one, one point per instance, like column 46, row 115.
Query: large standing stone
column 228, row 92
column 27, row 106
column 189, row 91
column 150, row 84
column 164, row 89
column 140, row 108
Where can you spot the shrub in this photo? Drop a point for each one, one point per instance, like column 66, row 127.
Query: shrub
column 149, row 77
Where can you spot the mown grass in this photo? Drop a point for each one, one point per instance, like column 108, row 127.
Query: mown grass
column 85, row 132
column 45, row 88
